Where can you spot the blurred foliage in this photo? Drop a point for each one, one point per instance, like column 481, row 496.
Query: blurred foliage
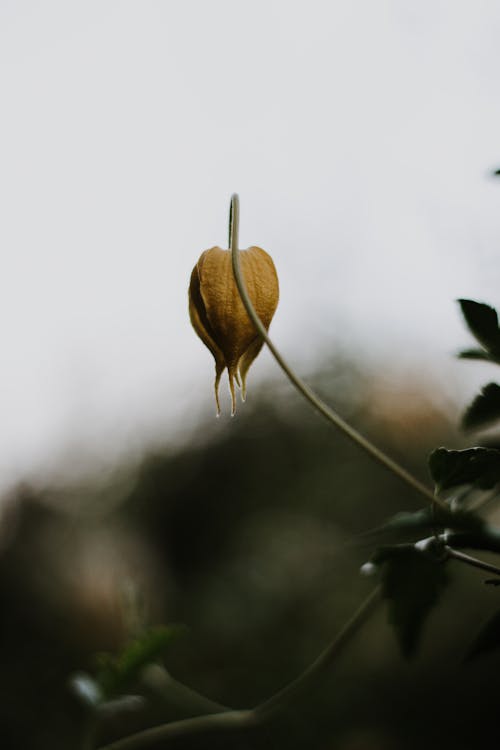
column 116, row 673
column 412, row 582
column 479, row 467
column 252, row 535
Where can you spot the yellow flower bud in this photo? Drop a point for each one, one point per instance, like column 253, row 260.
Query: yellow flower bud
column 219, row 317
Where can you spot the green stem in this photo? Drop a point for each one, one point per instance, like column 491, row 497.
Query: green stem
column 330, row 415
column 159, row 681
column 246, row 719
column 324, row 660
column 185, row 727
column 472, row 561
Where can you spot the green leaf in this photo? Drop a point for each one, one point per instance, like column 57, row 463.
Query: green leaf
column 412, row 582
column 477, row 466
column 485, row 408
column 486, row 538
column 474, row 354
column 488, row 638
column 427, row 520
column 482, row 321
column 116, row 673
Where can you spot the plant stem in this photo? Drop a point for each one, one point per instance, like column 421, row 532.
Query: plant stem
column 159, row 681
column 246, row 719
column 185, row 727
column 472, row 561
column 320, row 406
column 324, row 660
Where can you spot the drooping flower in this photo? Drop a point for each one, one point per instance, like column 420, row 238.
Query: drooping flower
column 219, row 317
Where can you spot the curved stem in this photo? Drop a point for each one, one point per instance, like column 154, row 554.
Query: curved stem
column 245, row 719
column 185, row 727
column 324, row 660
column 474, row 562
column 157, row 679
column 320, row 406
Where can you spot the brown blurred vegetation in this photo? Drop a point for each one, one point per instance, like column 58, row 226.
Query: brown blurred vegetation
column 250, row 536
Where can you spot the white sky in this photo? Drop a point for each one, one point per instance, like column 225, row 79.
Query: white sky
column 359, row 136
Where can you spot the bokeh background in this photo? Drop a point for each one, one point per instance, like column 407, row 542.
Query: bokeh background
column 361, row 137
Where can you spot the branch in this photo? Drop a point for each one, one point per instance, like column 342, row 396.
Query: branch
column 302, row 387
column 472, row 561
column 158, row 680
column 246, row 719
column 164, row 732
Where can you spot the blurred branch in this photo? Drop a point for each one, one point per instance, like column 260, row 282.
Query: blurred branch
column 472, row 561
column 159, row 681
column 246, row 719
column 318, row 404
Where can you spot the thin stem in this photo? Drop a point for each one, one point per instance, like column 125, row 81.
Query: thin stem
column 487, row 498
column 234, row 221
column 302, row 387
column 245, row 719
column 472, row 561
column 324, row 660
column 158, row 680
column 196, row 725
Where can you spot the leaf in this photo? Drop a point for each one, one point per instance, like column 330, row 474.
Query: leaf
column 427, row 520
column 412, row 582
column 488, row 638
column 474, row 354
column 485, row 408
column 116, row 673
column 486, row 538
column 482, row 321
column 477, row 466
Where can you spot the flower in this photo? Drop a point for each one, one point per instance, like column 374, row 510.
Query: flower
column 219, row 317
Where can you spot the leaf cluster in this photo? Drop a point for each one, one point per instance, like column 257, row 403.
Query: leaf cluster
column 482, row 321
column 413, row 572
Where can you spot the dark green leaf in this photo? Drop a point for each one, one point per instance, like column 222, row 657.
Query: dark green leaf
column 485, row 408
column 477, row 466
column 486, row 538
column 474, row 354
column 412, row 582
column 427, row 520
column 116, row 673
column 488, row 638
column 482, row 321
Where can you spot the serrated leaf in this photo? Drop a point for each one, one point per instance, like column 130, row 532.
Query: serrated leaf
column 488, row 638
column 482, row 321
column 412, row 582
column 477, row 466
column 474, row 354
column 484, row 410
column 116, row 673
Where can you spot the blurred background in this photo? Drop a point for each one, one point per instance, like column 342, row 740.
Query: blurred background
column 361, row 138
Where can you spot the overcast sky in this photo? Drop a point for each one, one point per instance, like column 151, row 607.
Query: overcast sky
column 360, row 137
